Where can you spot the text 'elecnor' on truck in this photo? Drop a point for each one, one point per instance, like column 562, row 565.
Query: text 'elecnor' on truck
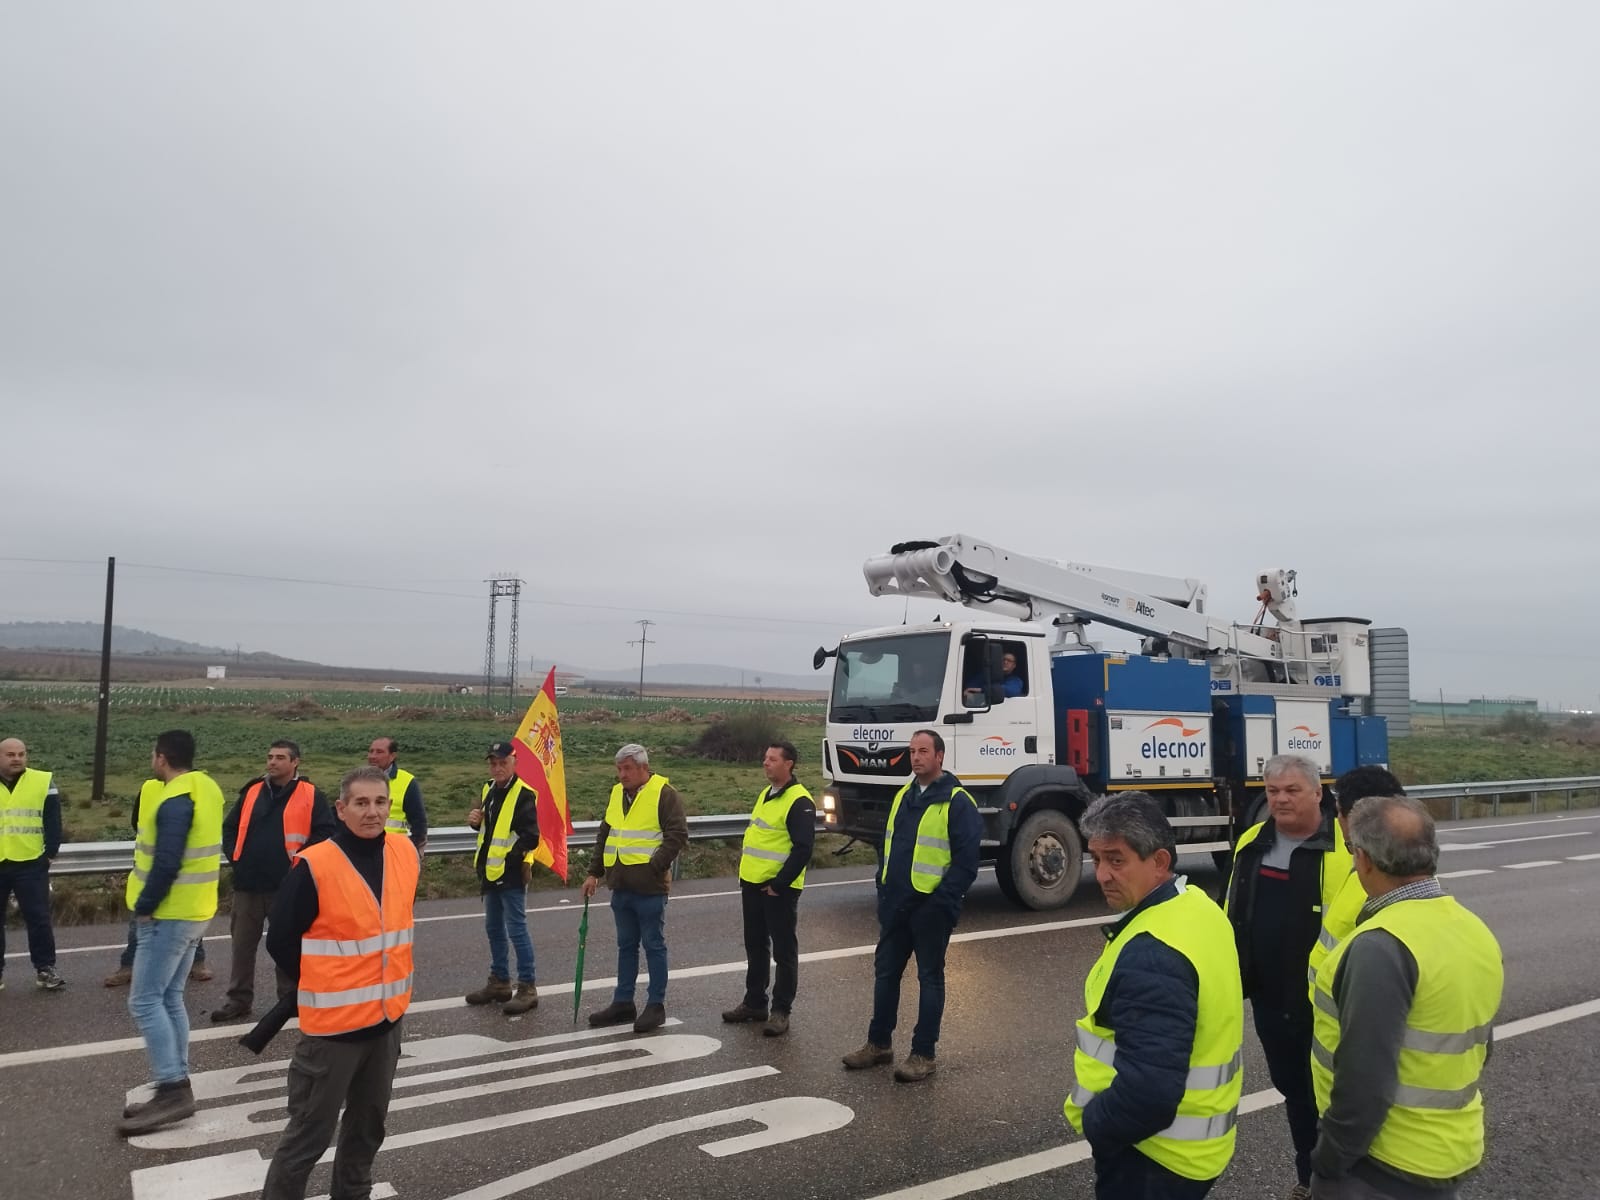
column 1038, row 720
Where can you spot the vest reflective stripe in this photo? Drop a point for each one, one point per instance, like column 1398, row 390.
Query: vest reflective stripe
column 355, row 959
column 1434, row 1125
column 397, row 822
column 1338, row 919
column 1335, row 868
column 767, row 844
column 22, row 820
column 1199, row 1142
column 193, row 894
column 494, row 866
column 633, row 836
column 930, row 851
column 296, row 818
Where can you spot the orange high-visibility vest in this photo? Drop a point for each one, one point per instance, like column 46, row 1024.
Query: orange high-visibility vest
column 296, row 818
column 355, row 960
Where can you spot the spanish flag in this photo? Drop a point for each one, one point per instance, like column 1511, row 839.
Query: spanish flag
column 540, row 766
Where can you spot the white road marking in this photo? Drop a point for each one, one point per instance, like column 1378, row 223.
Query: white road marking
column 1582, row 857
column 236, row 1121
column 783, row 1120
column 244, row 1171
column 1538, row 837
column 1010, row 1170
column 1473, row 828
column 1542, row 862
column 44, row 1054
column 1464, row 874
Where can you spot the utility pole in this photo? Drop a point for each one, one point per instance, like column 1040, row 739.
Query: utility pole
column 508, row 587
column 103, row 714
column 642, row 641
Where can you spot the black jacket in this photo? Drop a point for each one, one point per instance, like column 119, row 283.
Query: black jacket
column 1278, row 978
column 524, row 824
column 264, row 860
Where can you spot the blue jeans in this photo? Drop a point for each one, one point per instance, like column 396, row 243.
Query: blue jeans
column 640, row 918
column 909, row 927
column 133, row 944
column 155, row 997
column 504, row 914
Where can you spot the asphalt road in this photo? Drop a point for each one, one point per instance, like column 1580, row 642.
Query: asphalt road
column 487, row 1106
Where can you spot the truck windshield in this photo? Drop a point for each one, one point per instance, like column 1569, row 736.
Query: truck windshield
column 890, row 678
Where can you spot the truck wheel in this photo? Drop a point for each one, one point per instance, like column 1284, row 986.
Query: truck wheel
column 1046, row 860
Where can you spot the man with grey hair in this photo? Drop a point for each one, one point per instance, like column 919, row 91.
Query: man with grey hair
column 1405, row 1010
column 1164, row 1018
column 1287, row 870
column 643, row 833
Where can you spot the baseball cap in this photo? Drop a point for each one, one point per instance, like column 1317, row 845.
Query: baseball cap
column 502, row 750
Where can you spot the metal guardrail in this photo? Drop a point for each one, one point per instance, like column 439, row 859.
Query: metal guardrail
column 90, row 858
column 1498, row 790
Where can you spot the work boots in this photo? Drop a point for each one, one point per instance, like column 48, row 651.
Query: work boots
column 527, row 997
column 915, row 1069
column 777, row 1026
column 496, row 991
column 743, row 1013
column 172, row 1102
column 121, row 977
column 868, row 1056
column 618, row 1012
column 654, row 1016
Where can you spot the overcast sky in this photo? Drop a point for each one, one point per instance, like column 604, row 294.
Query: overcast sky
column 683, row 310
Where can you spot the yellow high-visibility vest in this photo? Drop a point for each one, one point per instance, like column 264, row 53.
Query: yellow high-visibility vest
column 502, row 839
column 397, row 822
column 1434, row 1127
column 193, row 895
column 633, row 836
column 1199, row 1142
column 22, row 817
column 767, row 844
column 930, row 854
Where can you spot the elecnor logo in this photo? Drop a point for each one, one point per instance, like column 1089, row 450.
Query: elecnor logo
column 866, row 733
column 997, row 746
column 1303, row 737
column 1161, row 743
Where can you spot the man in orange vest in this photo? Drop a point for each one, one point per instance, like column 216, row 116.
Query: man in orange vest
column 341, row 927
column 277, row 815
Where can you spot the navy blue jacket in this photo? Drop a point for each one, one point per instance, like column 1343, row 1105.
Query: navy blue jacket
column 966, row 831
column 1151, row 1003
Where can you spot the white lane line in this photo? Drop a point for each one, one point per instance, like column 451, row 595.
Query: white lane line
column 1542, row 862
column 562, row 906
column 1538, row 837
column 1011, row 1170
column 1582, row 857
column 1464, row 874
column 1472, row 828
column 22, row 1058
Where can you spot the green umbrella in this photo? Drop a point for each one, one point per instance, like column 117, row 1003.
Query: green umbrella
column 577, row 977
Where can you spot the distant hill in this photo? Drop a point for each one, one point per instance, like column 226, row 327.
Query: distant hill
column 708, row 675
column 86, row 635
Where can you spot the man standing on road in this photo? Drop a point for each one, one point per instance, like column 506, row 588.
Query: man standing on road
column 930, row 858
column 1286, row 872
column 406, row 812
column 1157, row 1071
column 30, row 837
column 150, row 793
column 342, row 928
column 643, row 833
column 507, row 821
column 772, row 870
column 1405, row 1010
column 1339, row 917
column 275, row 818
column 177, row 861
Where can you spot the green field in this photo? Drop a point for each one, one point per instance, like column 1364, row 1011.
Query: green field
column 443, row 743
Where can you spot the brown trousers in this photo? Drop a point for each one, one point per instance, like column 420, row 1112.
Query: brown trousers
column 250, row 911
